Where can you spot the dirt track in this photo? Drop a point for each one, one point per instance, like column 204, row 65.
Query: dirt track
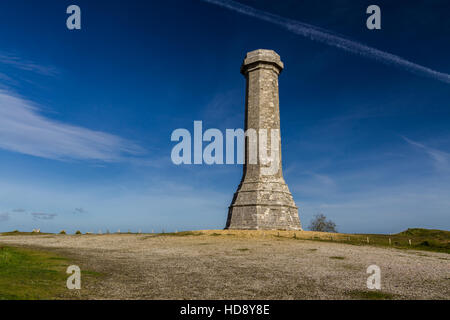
column 215, row 266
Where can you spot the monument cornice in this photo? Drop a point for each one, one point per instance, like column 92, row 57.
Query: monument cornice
column 261, row 58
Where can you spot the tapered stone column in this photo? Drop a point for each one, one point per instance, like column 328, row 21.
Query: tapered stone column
column 262, row 201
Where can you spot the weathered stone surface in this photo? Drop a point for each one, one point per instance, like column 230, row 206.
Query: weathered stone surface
column 262, row 201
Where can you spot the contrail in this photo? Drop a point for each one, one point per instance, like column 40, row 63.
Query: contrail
column 332, row 39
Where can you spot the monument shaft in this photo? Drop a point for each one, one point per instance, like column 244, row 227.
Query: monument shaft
column 262, row 200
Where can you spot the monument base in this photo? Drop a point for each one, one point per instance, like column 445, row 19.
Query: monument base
column 264, row 205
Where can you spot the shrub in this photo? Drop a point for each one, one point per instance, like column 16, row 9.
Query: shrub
column 78, row 232
column 62, row 232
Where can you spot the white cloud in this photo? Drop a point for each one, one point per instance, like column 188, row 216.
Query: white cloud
column 23, row 129
column 440, row 159
column 26, row 65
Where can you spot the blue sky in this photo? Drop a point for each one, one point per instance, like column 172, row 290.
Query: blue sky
column 86, row 116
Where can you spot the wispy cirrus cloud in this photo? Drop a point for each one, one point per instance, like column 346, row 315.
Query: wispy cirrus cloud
column 441, row 159
column 43, row 216
column 25, row 130
column 26, row 65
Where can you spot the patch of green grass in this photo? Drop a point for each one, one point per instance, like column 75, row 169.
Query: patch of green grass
column 350, row 267
column 337, row 258
column 371, row 295
column 27, row 274
column 215, row 234
column 58, row 258
column 428, row 233
column 421, row 239
column 19, row 233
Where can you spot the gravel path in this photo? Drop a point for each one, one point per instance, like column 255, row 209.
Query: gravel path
column 228, row 267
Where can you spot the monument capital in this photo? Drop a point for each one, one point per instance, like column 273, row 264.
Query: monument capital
column 258, row 58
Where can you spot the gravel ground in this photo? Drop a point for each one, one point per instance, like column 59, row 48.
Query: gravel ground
column 215, row 266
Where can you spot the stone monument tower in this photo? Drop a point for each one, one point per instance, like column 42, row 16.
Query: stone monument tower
column 262, row 201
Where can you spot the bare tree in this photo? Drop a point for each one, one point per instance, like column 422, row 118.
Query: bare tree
column 320, row 223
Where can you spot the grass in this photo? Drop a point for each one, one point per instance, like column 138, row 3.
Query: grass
column 426, row 233
column 34, row 275
column 19, row 233
column 337, row 258
column 30, row 274
column 421, row 239
column 371, row 295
